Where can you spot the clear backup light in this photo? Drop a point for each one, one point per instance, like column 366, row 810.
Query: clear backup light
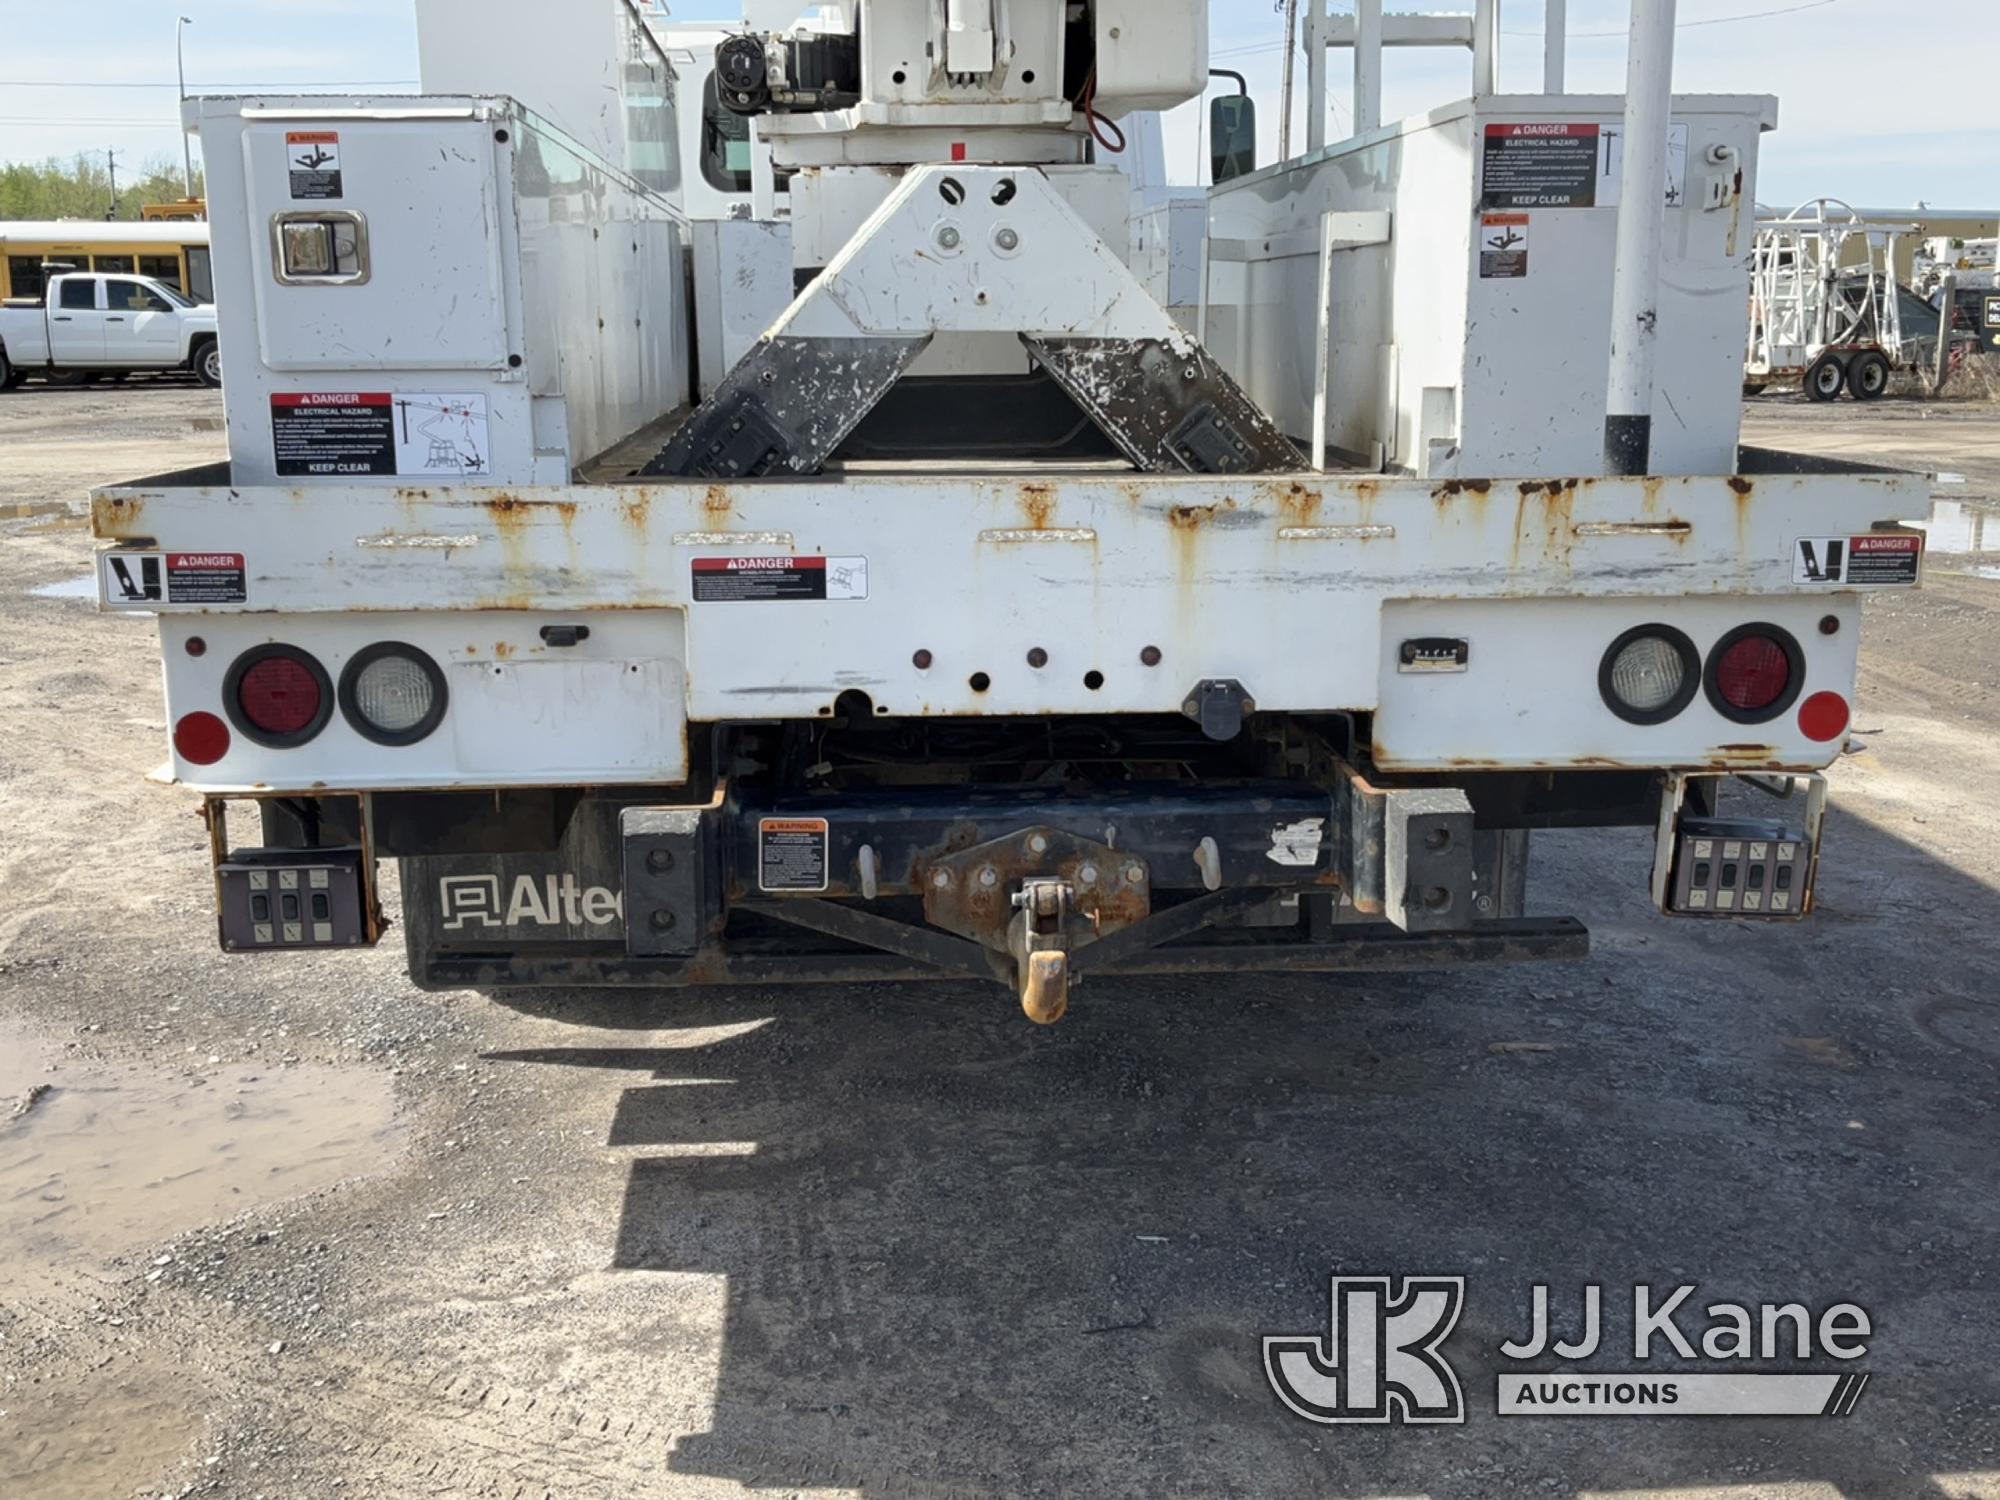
column 393, row 694
column 1649, row 674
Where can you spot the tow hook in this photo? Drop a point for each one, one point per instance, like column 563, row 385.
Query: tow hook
column 1039, row 938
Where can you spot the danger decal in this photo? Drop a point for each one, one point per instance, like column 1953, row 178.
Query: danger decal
column 136, row 580
column 735, row 580
column 415, row 433
column 1874, row 560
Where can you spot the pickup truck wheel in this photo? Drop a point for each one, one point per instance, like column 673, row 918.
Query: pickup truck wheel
column 9, row 376
column 208, row 363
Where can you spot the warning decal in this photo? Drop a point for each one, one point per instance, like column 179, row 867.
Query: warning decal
column 1875, row 560
column 791, row 854
column 757, row 579
column 1503, row 245
column 378, row 432
column 313, row 157
column 332, row 432
column 1539, row 166
column 206, row 578
column 137, row 579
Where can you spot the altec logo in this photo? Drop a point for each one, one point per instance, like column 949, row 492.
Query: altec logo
column 533, row 901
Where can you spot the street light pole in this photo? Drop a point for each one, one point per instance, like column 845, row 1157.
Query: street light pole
column 187, row 146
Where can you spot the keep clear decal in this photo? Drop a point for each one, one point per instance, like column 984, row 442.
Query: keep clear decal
column 331, row 433
column 791, row 854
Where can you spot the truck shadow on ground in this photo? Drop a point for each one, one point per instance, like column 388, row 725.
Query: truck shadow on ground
column 967, row 1256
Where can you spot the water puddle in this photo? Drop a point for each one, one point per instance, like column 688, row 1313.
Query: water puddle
column 1968, row 529
column 104, row 1434
column 34, row 510
column 70, row 588
column 99, row 1159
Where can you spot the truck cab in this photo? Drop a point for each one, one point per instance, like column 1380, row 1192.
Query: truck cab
column 93, row 322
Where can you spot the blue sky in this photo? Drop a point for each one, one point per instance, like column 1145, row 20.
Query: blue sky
column 1924, row 137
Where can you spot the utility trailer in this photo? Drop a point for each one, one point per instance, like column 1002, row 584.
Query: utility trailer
column 868, row 666
column 1827, row 311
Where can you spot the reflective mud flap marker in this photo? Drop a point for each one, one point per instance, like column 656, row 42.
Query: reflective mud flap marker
column 1039, row 939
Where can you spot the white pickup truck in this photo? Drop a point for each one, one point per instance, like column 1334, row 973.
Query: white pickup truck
column 98, row 324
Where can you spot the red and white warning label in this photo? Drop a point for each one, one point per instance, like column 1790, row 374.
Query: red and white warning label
column 791, row 854
column 720, row 580
column 139, row 580
column 1876, row 560
column 313, row 158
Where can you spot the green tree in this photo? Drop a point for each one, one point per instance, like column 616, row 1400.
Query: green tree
column 81, row 189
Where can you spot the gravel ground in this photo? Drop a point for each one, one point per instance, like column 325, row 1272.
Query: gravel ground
column 294, row 1228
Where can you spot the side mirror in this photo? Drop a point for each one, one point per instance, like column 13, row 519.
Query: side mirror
column 1232, row 136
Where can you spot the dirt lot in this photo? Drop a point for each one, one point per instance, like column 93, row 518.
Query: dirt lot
column 294, row 1228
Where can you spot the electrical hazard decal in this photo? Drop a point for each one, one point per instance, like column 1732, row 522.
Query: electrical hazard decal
column 141, row 580
column 1503, row 246
column 313, row 159
column 1876, row 560
column 331, row 433
column 791, row 854
column 1566, row 164
column 719, row 580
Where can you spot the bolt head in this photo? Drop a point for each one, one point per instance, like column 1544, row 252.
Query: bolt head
column 989, row 877
column 664, row 921
column 1007, row 239
column 660, row 861
column 1087, row 875
column 941, row 878
column 1038, row 844
column 948, row 237
column 1134, row 874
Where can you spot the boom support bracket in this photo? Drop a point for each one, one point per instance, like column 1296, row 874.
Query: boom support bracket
column 965, row 249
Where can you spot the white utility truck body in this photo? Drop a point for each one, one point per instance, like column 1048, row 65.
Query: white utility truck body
column 979, row 618
column 101, row 323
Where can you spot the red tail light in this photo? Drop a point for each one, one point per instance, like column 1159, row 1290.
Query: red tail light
column 1823, row 717
column 1754, row 673
column 201, row 739
column 278, row 696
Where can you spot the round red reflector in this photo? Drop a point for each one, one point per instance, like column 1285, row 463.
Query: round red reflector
column 279, row 695
column 201, row 739
column 1823, row 716
column 1753, row 673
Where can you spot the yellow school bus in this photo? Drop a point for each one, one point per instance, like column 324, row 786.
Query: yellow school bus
column 175, row 252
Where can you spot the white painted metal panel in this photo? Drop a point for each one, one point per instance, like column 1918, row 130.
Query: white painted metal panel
column 504, row 264
column 1531, row 682
column 521, row 713
column 1419, row 328
column 1290, row 587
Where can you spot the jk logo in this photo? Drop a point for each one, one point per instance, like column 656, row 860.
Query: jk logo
column 1380, row 1361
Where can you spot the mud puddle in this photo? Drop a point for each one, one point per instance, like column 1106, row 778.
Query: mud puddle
column 100, row 1437
column 70, row 588
column 101, row 1159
